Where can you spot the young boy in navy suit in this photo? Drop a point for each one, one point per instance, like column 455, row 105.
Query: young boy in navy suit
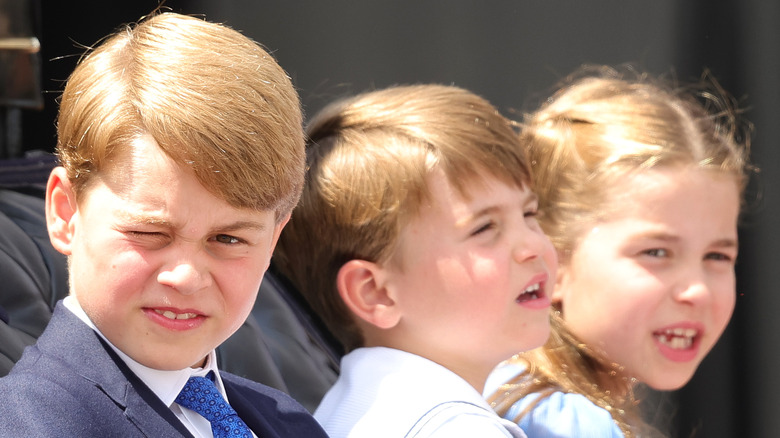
column 182, row 156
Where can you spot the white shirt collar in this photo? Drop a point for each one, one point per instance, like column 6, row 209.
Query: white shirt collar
column 165, row 384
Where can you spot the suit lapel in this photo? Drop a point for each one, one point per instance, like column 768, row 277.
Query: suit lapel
column 248, row 410
column 78, row 345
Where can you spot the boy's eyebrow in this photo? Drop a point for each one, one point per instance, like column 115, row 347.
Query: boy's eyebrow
column 530, row 198
column 147, row 219
column 242, row 225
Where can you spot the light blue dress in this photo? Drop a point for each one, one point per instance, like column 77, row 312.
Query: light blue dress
column 559, row 415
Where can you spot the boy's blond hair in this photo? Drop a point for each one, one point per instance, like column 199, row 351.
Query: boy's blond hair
column 212, row 99
column 369, row 157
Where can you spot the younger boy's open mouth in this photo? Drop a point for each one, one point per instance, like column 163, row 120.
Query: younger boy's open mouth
column 532, row 292
column 533, row 296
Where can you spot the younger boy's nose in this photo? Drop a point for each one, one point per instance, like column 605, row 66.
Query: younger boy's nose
column 530, row 245
column 185, row 277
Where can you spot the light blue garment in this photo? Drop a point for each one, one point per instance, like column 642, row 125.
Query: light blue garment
column 560, row 415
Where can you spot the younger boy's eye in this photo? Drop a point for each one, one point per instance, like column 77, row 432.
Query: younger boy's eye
column 483, row 228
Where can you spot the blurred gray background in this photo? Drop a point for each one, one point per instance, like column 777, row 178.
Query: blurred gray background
column 512, row 52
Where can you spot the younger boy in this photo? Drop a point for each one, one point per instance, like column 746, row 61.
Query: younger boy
column 416, row 238
column 182, row 156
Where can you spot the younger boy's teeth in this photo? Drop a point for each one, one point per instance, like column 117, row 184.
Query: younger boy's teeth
column 529, row 293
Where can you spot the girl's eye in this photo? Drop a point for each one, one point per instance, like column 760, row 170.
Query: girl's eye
column 532, row 213
column 657, row 252
column 718, row 256
column 229, row 240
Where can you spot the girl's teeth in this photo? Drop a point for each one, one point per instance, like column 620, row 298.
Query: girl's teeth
column 678, row 338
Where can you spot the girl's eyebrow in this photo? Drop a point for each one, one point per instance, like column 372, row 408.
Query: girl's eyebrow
column 725, row 242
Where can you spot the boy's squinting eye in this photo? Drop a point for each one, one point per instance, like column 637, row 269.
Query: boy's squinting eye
column 148, row 239
column 146, row 234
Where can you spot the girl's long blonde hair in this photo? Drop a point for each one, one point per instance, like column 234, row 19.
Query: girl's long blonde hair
column 595, row 130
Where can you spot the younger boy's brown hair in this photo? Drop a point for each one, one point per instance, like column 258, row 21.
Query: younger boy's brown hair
column 368, row 161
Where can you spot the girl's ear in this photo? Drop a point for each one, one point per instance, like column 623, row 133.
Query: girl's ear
column 61, row 209
column 361, row 286
column 560, row 284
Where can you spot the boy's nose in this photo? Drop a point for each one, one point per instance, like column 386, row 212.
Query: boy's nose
column 529, row 245
column 185, row 276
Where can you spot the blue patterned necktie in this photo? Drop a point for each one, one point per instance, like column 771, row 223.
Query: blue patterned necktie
column 202, row 396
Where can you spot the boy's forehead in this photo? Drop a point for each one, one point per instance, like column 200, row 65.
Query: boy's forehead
column 474, row 186
column 477, row 192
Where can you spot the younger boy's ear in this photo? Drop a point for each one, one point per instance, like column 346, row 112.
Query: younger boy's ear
column 362, row 289
column 60, row 208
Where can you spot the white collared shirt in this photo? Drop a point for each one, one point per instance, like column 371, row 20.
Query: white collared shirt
column 383, row 392
column 165, row 384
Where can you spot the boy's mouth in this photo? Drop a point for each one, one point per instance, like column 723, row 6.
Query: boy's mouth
column 532, row 292
column 171, row 315
column 677, row 338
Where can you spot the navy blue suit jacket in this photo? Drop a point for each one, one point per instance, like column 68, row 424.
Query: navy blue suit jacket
column 72, row 384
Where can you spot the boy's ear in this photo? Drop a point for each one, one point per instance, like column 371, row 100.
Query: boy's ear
column 278, row 231
column 362, row 288
column 60, row 209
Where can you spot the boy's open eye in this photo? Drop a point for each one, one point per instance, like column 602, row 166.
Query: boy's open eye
column 226, row 239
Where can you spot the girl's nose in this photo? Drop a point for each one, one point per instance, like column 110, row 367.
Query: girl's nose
column 693, row 289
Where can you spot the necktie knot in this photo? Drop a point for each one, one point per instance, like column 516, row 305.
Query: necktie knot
column 202, row 396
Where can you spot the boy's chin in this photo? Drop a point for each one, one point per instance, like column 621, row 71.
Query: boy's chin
column 171, row 363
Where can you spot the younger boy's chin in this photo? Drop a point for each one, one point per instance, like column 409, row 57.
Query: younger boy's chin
column 536, row 339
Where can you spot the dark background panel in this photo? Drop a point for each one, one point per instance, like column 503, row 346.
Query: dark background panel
column 513, row 52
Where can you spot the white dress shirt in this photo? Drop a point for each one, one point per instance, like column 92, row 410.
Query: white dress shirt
column 165, row 384
column 383, row 392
